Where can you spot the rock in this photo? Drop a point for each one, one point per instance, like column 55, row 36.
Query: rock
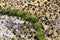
column 58, row 38
column 1, row 4
column 50, row 32
column 21, row 21
column 22, row 36
column 59, row 1
column 41, row 8
column 48, row 38
column 32, row 30
column 6, row 33
column 45, row 27
column 55, row 34
column 48, row 15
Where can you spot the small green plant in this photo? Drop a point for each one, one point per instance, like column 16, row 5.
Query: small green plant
column 38, row 24
column 39, row 31
column 40, row 34
column 7, row 11
column 21, row 13
column 30, row 18
column 11, row 12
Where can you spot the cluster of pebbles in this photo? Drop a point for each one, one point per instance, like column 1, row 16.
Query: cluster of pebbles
column 16, row 28
column 48, row 12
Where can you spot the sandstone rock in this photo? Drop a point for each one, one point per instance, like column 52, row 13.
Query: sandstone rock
column 48, row 38
column 1, row 4
column 58, row 38
column 55, row 34
column 48, row 15
column 21, row 21
column 50, row 31
column 59, row 1
column 45, row 27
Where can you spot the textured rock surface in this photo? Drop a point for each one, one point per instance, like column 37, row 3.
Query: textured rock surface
column 4, row 32
column 12, row 27
column 48, row 12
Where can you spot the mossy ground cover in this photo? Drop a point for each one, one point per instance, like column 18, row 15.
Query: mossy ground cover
column 28, row 17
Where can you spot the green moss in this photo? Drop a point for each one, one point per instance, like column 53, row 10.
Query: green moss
column 30, row 18
column 39, row 31
column 21, row 13
column 38, row 24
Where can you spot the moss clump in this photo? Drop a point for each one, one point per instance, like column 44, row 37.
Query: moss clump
column 30, row 18
column 39, row 31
